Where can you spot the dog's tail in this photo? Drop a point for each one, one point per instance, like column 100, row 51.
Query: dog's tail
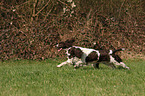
column 113, row 52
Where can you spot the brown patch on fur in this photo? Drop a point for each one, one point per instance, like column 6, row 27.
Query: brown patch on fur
column 104, row 55
column 93, row 56
column 75, row 52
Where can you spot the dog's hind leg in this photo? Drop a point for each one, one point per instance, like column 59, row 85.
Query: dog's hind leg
column 96, row 65
column 123, row 65
column 112, row 60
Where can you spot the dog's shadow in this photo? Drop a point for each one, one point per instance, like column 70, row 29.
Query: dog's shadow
column 121, row 68
column 101, row 68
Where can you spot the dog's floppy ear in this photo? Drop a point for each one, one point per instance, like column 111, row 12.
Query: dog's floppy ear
column 70, row 41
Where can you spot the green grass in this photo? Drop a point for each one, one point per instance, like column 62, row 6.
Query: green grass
column 33, row 78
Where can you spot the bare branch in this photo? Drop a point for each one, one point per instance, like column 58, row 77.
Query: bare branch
column 41, row 9
column 121, row 7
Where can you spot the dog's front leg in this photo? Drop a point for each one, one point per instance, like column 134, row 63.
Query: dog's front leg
column 64, row 63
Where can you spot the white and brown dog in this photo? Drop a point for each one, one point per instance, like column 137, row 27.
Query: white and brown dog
column 79, row 56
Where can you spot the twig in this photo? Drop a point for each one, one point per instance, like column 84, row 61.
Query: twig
column 41, row 9
column 64, row 3
column 22, row 4
column 47, row 14
column 33, row 13
column 121, row 7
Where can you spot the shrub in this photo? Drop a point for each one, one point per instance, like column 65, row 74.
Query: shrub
column 30, row 28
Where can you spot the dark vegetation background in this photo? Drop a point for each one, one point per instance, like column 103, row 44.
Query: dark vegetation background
column 29, row 29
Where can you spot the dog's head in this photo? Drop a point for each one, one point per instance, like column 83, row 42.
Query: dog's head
column 66, row 44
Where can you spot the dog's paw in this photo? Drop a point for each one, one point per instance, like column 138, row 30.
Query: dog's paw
column 58, row 66
column 128, row 68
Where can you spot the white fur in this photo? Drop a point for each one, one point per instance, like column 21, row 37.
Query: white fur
column 110, row 52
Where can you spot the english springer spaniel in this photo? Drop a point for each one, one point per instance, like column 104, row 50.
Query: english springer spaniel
column 79, row 55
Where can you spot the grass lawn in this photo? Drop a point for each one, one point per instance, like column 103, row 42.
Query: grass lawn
column 34, row 78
